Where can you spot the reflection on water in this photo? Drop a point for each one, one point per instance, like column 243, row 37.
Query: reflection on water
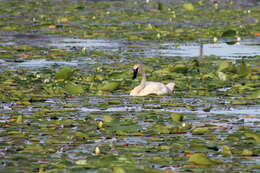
column 247, row 47
column 223, row 50
column 36, row 63
column 138, row 108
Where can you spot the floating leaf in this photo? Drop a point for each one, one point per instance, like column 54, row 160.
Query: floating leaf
column 200, row 159
column 118, row 170
column 81, row 162
column 255, row 95
column 243, row 69
column 121, row 133
column 180, row 30
column 228, row 33
column 255, row 136
column 223, row 65
column 164, row 147
column 176, row 117
column 226, row 151
column 179, row 68
column 200, row 131
column 73, row 89
column 19, row 119
column 188, row 6
column 107, row 118
column 247, row 152
column 80, row 135
column 64, row 74
column 110, row 86
column 231, row 42
column 32, row 148
column 160, row 6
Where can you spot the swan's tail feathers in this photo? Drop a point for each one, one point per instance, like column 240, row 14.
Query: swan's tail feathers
column 171, row 86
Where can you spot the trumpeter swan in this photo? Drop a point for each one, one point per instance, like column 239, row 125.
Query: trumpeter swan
column 146, row 88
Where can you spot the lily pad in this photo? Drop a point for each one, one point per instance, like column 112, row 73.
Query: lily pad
column 223, row 65
column 110, row 86
column 228, row 33
column 179, row 68
column 73, row 89
column 118, row 170
column 176, row 117
column 200, row 131
column 226, row 151
column 247, row 152
column 188, row 6
column 19, row 119
column 200, row 159
column 255, row 95
column 253, row 135
column 107, row 118
column 64, row 74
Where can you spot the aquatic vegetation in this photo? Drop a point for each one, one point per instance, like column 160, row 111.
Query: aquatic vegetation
column 64, row 87
column 128, row 20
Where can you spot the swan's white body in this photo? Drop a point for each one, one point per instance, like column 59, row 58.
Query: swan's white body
column 146, row 88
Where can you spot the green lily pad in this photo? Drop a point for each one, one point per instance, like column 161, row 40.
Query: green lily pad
column 255, row 136
column 223, row 65
column 247, row 152
column 200, row 159
column 226, row 151
column 161, row 6
column 19, row 119
column 33, row 148
column 200, row 131
column 228, row 33
column 110, row 86
column 243, row 69
column 81, row 162
column 118, row 170
column 188, row 6
column 179, row 68
column 107, row 118
column 255, row 95
column 73, row 89
column 64, row 74
column 176, row 117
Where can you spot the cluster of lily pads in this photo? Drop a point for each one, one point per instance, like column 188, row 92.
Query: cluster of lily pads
column 66, row 118
column 45, row 128
column 132, row 20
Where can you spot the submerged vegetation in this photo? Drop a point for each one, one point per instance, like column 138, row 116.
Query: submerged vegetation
column 65, row 106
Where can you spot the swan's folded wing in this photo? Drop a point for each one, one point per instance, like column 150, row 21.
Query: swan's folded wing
column 154, row 88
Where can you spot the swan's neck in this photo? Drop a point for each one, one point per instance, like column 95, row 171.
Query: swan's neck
column 140, row 87
column 143, row 78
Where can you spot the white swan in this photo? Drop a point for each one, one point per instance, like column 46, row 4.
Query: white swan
column 146, row 88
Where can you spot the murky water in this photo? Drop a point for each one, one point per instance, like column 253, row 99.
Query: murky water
column 225, row 117
column 44, row 63
column 245, row 48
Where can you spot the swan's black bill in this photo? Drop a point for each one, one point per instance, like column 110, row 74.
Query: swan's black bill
column 135, row 73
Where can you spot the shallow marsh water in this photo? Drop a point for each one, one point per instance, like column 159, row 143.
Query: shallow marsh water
column 136, row 132
column 244, row 48
column 64, row 88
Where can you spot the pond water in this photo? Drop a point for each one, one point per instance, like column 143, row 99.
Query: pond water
column 244, row 48
column 66, row 74
column 143, row 126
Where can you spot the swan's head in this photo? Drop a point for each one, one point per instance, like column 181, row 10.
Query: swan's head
column 135, row 68
column 171, row 85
